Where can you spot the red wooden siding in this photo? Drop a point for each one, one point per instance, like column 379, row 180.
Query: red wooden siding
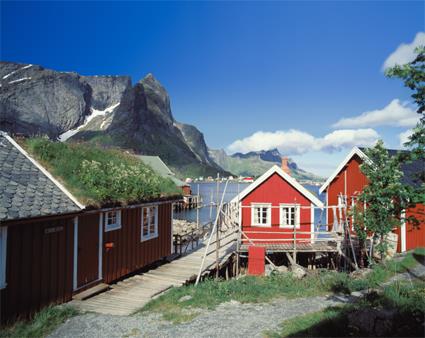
column 88, row 249
column 349, row 182
column 355, row 182
column 186, row 189
column 128, row 253
column 415, row 236
column 275, row 190
column 39, row 266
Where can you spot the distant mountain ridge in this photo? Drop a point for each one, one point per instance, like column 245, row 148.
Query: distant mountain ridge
column 255, row 163
column 107, row 110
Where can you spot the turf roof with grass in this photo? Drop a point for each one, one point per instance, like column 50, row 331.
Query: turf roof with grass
column 100, row 177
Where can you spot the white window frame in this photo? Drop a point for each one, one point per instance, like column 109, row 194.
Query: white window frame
column 254, row 206
column 116, row 225
column 3, row 253
column 155, row 233
column 297, row 215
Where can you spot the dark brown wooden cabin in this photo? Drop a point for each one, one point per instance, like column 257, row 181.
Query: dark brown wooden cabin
column 52, row 247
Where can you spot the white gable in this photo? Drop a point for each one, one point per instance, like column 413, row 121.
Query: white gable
column 354, row 151
column 292, row 181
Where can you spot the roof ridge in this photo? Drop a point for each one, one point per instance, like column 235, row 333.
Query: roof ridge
column 42, row 169
column 291, row 180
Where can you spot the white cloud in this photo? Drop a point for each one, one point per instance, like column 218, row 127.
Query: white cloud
column 404, row 137
column 404, row 52
column 291, row 142
column 296, row 142
column 347, row 138
column 395, row 114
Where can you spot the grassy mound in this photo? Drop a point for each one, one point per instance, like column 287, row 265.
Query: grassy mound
column 100, row 176
column 251, row 289
column 43, row 323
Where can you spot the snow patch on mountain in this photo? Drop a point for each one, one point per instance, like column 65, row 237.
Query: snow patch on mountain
column 94, row 113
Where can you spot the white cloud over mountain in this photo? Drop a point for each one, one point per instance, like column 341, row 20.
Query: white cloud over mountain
column 404, row 52
column 404, row 137
column 395, row 114
column 296, row 142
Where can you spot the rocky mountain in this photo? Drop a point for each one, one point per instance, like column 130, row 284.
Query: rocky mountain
column 107, row 110
column 255, row 163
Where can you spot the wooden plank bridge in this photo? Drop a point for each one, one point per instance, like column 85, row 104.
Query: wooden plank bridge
column 131, row 294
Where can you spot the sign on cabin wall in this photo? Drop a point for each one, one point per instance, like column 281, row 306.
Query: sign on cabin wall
column 53, row 230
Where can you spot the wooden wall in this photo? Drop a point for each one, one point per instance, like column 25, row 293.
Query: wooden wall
column 350, row 181
column 129, row 253
column 39, row 266
column 415, row 235
column 276, row 190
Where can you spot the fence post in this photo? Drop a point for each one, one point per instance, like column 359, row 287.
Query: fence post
column 295, row 243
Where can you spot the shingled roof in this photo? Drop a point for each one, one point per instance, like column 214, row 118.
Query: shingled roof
column 26, row 189
column 413, row 171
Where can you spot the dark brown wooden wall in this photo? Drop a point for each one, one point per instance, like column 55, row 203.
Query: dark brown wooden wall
column 129, row 253
column 39, row 266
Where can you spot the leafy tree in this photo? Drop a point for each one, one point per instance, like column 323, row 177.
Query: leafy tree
column 383, row 198
column 413, row 76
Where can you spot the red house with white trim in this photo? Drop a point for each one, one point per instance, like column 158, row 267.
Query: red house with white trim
column 348, row 181
column 275, row 205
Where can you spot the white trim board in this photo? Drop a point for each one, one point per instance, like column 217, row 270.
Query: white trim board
column 41, row 168
column 292, row 181
column 403, row 231
column 354, row 151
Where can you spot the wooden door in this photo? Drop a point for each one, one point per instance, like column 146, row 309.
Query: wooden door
column 88, row 249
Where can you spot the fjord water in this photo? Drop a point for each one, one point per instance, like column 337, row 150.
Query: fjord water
column 208, row 193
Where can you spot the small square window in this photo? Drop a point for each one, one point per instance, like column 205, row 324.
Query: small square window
column 112, row 220
column 261, row 215
column 289, row 216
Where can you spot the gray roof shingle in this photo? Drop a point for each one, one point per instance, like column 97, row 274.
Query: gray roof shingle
column 413, row 171
column 25, row 191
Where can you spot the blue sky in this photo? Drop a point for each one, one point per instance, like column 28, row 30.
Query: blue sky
column 290, row 70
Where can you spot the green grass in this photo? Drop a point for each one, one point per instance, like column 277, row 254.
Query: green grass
column 43, row 323
column 98, row 176
column 406, row 299
column 251, row 289
column 307, row 324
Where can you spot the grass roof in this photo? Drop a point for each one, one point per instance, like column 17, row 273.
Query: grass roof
column 98, row 176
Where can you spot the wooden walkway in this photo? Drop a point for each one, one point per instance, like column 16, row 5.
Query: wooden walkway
column 328, row 246
column 131, row 294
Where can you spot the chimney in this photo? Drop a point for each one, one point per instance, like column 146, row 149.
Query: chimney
column 285, row 167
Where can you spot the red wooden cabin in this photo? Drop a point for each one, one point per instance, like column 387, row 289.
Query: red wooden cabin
column 348, row 181
column 52, row 247
column 274, row 206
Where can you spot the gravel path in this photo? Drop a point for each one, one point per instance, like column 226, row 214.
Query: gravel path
column 228, row 319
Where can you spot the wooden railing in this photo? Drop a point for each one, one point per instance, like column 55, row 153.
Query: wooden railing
column 182, row 242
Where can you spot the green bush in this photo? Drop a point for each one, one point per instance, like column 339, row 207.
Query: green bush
column 97, row 175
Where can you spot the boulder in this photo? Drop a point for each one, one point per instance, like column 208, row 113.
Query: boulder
column 281, row 269
column 297, row 271
column 185, row 298
column 361, row 273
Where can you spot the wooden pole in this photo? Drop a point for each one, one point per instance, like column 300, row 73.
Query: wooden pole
column 295, row 244
column 209, row 239
column 217, row 246
column 211, row 204
column 197, row 209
